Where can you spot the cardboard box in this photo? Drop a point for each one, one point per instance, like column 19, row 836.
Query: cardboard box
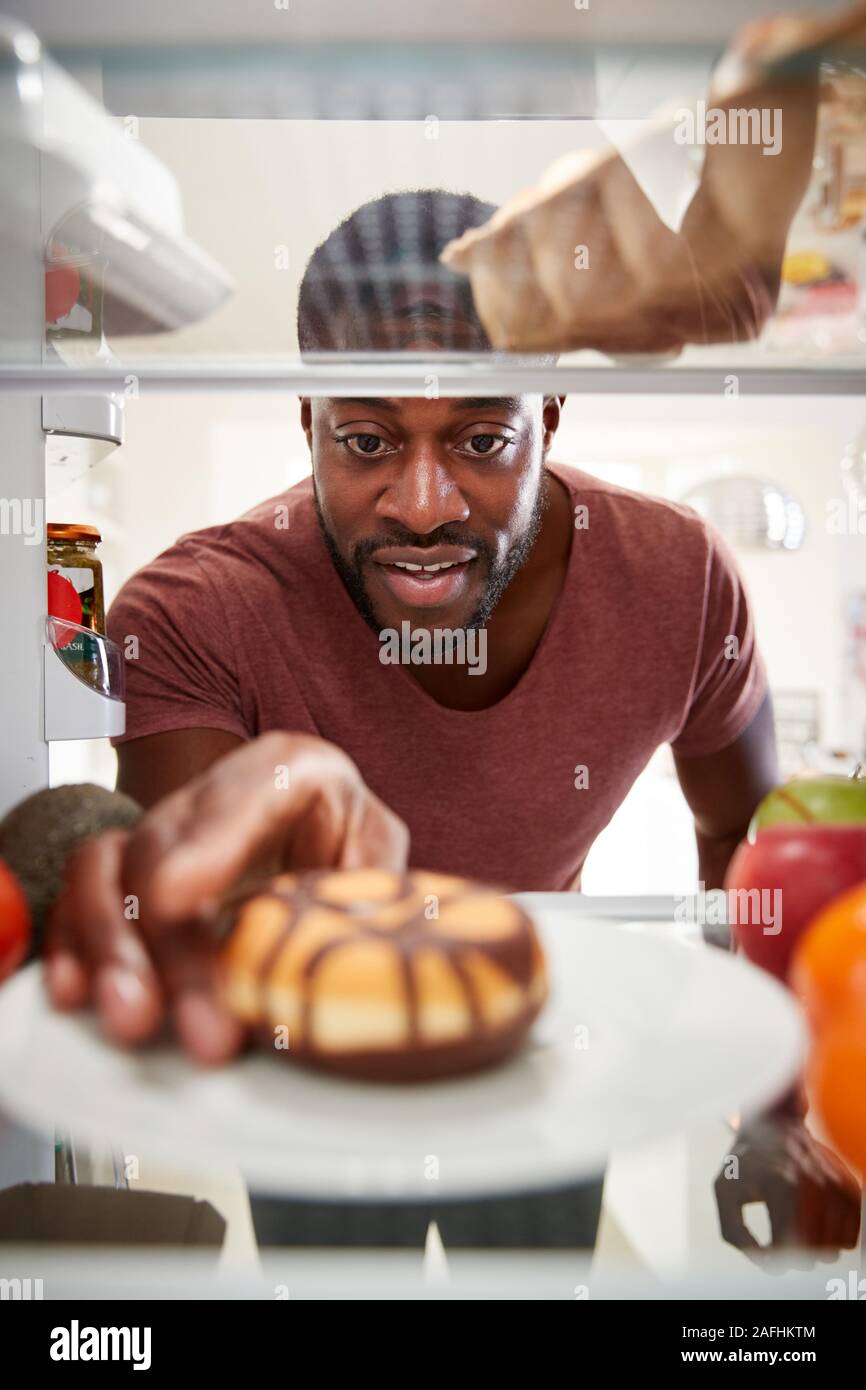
column 67, row 1213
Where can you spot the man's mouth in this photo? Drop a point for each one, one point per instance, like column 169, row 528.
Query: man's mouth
column 424, row 577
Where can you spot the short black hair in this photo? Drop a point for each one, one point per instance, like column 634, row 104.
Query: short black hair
column 385, row 244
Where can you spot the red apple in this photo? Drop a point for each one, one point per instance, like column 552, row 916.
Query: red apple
column 795, row 869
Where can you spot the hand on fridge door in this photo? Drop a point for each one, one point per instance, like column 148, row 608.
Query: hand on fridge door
column 135, row 929
column 583, row 259
column 812, row 1200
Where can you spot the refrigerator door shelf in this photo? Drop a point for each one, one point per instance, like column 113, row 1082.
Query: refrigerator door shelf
column 84, row 683
column 70, row 174
column 80, row 431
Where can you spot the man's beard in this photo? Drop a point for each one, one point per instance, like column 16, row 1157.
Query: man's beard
column 500, row 572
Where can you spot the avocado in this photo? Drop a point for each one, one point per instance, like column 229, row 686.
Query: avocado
column 38, row 835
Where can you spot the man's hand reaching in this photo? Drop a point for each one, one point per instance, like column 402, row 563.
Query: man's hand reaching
column 133, row 931
column 583, row 260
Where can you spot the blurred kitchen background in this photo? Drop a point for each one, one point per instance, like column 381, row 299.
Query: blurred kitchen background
column 784, row 475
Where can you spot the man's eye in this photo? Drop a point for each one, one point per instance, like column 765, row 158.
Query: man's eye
column 364, row 444
column 485, row 445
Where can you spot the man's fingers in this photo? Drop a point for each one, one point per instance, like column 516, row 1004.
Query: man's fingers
column 94, row 952
column 376, row 839
column 846, row 1222
column 92, row 938
column 196, row 843
column 281, row 801
column 734, row 1229
column 732, row 1194
column 66, row 975
column 186, row 958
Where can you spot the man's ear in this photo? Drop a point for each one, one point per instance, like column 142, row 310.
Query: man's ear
column 550, row 416
column 307, row 420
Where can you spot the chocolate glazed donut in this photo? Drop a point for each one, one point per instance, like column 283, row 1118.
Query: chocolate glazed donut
column 385, row 976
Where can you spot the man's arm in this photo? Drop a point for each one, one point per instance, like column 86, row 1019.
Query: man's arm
column 723, row 789
column 583, row 260
column 151, row 767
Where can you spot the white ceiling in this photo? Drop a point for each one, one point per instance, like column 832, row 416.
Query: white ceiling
column 109, row 22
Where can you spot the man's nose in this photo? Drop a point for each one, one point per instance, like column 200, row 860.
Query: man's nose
column 423, row 495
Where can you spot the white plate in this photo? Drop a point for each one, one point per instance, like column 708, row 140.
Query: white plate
column 642, row 1036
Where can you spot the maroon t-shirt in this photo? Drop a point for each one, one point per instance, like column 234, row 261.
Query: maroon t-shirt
column 247, row 627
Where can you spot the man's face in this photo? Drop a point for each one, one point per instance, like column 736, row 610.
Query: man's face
column 429, row 507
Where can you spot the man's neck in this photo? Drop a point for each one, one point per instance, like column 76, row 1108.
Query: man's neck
column 518, row 623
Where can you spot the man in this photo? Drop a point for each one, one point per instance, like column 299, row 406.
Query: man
column 268, row 724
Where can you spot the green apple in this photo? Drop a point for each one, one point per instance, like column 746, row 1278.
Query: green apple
column 814, row 798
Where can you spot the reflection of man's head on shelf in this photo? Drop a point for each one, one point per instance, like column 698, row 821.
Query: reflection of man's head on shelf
column 376, row 285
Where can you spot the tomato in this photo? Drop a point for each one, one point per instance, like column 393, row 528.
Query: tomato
column 14, row 922
column 63, row 602
column 62, row 288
